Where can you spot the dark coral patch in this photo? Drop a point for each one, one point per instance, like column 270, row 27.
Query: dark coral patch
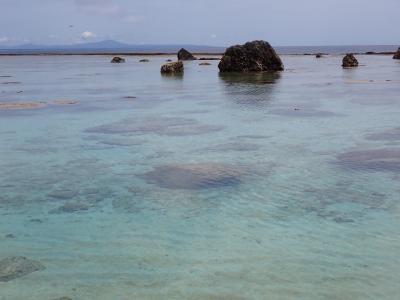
column 233, row 146
column 193, row 176
column 161, row 126
column 305, row 113
column 70, row 207
column 387, row 159
column 387, row 135
column 17, row 266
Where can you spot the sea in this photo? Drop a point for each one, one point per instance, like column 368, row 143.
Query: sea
column 126, row 184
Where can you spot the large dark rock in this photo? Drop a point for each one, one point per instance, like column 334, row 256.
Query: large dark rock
column 172, row 68
column 183, row 54
column 349, row 61
column 17, row 266
column 117, row 60
column 253, row 56
column 397, row 54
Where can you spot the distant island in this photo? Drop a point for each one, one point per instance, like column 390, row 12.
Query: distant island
column 105, row 47
column 114, row 47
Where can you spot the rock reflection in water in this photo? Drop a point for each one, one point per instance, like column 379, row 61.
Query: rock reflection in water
column 250, row 89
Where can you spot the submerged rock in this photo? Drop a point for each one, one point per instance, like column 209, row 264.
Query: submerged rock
column 71, row 207
column 172, row 68
column 349, row 61
column 160, row 125
column 64, row 102
column 392, row 135
column 204, row 64
column 303, row 113
column 17, row 266
column 386, row 159
column 232, row 146
column 63, row 194
column 193, row 176
column 183, row 54
column 144, row 60
column 22, row 105
column 397, row 54
column 117, row 60
column 63, row 298
column 253, row 56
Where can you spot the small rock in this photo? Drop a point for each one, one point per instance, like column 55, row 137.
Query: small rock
column 397, row 54
column 63, row 298
column 39, row 221
column 144, row 60
column 349, row 61
column 173, row 67
column 168, row 60
column 204, row 64
column 14, row 267
column 183, row 54
column 117, row 60
column 318, row 55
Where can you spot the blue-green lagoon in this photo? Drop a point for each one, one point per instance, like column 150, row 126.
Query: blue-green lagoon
column 125, row 184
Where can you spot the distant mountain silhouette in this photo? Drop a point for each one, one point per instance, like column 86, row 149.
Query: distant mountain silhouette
column 108, row 46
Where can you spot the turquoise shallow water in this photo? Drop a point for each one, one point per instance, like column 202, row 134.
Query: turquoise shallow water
column 202, row 186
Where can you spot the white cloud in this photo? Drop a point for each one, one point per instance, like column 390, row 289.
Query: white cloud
column 4, row 39
column 87, row 35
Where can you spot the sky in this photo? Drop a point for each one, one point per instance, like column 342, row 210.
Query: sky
column 201, row 22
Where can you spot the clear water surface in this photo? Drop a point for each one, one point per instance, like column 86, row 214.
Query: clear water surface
column 139, row 186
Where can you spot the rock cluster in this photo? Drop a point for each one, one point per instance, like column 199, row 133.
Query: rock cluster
column 172, row 68
column 397, row 54
column 183, row 54
column 349, row 61
column 117, row 60
column 253, row 56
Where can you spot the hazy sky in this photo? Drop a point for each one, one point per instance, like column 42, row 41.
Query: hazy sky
column 211, row 22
